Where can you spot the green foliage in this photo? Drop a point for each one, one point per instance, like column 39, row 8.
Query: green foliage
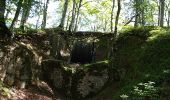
column 143, row 55
column 142, row 32
column 95, row 10
column 145, row 89
column 4, row 90
column 142, row 91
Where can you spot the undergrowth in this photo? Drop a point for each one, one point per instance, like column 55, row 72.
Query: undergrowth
column 143, row 62
column 4, row 90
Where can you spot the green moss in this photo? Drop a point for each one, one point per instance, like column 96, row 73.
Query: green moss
column 142, row 32
column 96, row 63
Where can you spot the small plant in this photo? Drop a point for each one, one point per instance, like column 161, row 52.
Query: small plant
column 124, row 96
column 4, row 90
column 145, row 90
column 142, row 91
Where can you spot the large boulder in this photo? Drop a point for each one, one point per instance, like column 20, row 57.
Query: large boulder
column 21, row 64
column 56, row 76
column 89, row 80
column 75, row 81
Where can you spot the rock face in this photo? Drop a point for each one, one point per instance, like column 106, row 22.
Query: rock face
column 75, row 81
column 57, row 78
column 4, row 58
column 19, row 63
column 87, row 82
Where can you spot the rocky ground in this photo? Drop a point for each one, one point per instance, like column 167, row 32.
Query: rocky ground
column 32, row 92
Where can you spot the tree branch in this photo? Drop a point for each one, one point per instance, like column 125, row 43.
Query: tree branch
column 131, row 19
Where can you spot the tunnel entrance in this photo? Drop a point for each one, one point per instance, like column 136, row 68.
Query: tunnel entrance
column 83, row 52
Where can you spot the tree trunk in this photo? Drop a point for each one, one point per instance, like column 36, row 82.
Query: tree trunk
column 105, row 25
column 37, row 22
column 140, row 12
column 113, row 41
column 2, row 11
column 168, row 22
column 111, row 22
column 4, row 31
column 142, row 15
column 19, row 5
column 117, row 18
column 73, row 16
column 136, row 11
column 26, row 10
column 159, row 13
column 45, row 14
column 162, row 6
column 67, row 22
column 77, row 17
column 64, row 14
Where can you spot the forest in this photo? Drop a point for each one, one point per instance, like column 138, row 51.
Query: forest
column 84, row 49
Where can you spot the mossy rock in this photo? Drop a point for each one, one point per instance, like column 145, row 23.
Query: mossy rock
column 85, row 81
column 56, row 76
column 90, row 80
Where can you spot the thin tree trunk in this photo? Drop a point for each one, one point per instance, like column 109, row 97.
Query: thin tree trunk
column 45, row 15
column 113, row 41
column 162, row 6
column 64, row 14
column 73, row 16
column 159, row 13
column 168, row 22
column 117, row 18
column 19, row 5
column 67, row 24
column 105, row 25
column 26, row 10
column 111, row 22
column 4, row 31
column 77, row 17
column 136, row 11
column 37, row 22
column 113, row 45
column 142, row 16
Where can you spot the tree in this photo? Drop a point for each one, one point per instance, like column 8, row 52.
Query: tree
column 71, row 26
column 139, row 10
column 161, row 12
column 168, row 11
column 111, row 22
column 113, row 41
column 64, row 14
column 77, row 15
column 45, row 14
column 19, row 5
column 25, row 13
column 117, row 18
column 4, row 31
